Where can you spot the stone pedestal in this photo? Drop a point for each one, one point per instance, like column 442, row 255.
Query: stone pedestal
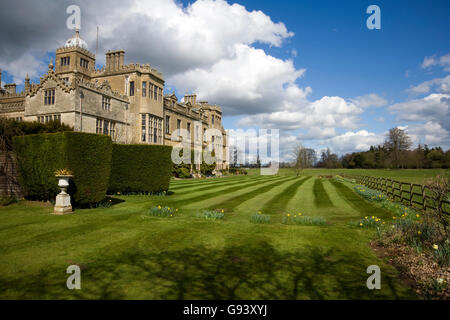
column 62, row 205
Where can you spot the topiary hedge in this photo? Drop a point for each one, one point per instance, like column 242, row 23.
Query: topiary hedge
column 87, row 155
column 140, row 168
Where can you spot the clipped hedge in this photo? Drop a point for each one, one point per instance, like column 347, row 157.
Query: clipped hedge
column 87, row 155
column 140, row 168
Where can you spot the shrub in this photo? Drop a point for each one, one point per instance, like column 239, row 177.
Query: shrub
column 211, row 215
column 369, row 222
column 260, row 218
column 87, row 155
column 159, row 211
column 370, row 194
column 140, row 168
column 303, row 220
column 182, row 173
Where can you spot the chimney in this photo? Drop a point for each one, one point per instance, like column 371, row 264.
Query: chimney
column 107, row 61
column 192, row 98
column 121, row 58
column 27, row 84
column 116, row 60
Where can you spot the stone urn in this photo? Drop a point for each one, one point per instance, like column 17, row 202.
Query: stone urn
column 63, row 205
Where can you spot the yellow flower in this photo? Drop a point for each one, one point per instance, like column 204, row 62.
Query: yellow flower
column 360, row 224
column 366, row 217
column 169, row 208
column 435, row 246
column 223, row 211
column 299, row 213
column 288, row 215
column 373, row 217
column 159, row 207
column 394, row 218
column 419, row 232
column 417, row 215
column 176, row 209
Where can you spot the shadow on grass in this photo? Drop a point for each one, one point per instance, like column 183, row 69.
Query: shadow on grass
column 251, row 271
column 321, row 198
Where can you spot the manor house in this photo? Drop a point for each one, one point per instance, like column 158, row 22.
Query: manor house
column 124, row 101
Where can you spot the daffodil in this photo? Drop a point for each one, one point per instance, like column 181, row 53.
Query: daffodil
column 435, row 246
column 223, row 211
column 360, row 224
column 419, row 232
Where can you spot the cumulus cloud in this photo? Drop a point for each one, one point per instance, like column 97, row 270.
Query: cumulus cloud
column 443, row 61
column 354, row 141
column 161, row 32
column 369, row 100
column 441, row 84
column 434, row 107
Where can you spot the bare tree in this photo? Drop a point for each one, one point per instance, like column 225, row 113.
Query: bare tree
column 397, row 141
column 303, row 158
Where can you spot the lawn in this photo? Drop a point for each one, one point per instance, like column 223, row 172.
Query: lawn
column 126, row 254
column 404, row 175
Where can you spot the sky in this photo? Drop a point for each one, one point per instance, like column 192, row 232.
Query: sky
column 311, row 69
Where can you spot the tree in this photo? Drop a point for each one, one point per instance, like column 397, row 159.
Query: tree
column 397, row 141
column 303, row 158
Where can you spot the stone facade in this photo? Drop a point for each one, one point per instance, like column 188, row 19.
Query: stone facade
column 125, row 101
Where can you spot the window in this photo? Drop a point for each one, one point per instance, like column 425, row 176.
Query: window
column 106, row 127
column 168, row 124
column 196, row 133
column 155, row 135
column 189, row 129
column 178, row 127
column 49, row 97
column 131, row 88
column 144, row 127
column 150, row 91
column 65, row 61
column 106, row 103
column 112, row 130
column 212, row 119
column 144, row 88
column 84, row 63
column 99, row 126
column 159, row 94
column 155, row 92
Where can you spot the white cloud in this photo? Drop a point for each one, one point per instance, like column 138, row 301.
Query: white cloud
column 353, row 141
column 23, row 65
column 249, row 82
column 441, row 84
column 434, row 107
column 369, row 100
column 431, row 133
column 443, row 61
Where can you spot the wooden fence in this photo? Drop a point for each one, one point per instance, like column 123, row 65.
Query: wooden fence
column 412, row 194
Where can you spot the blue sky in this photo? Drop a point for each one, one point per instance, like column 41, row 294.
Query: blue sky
column 320, row 50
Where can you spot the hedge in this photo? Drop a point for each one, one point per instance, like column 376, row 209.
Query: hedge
column 140, row 168
column 87, row 155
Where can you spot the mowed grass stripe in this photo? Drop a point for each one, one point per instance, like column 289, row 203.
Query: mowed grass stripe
column 193, row 182
column 321, row 198
column 233, row 202
column 216, row 192
column 362, row 206
column 279, row 202
column 205, row 186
